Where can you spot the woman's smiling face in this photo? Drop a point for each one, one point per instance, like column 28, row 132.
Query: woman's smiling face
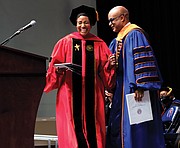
column 83, row 25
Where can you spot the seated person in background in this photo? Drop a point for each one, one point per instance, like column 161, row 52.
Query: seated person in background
column 166, row 98
column 170, row 112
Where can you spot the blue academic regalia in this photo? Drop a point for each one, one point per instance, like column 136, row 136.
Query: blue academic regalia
column 137, row 68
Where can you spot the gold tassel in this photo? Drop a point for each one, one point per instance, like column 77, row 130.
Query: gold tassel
column 97, row 16
column 170, row 90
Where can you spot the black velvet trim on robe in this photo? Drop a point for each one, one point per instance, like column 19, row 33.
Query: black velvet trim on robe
column 89, row 95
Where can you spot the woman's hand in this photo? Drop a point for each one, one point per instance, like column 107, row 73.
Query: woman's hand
column 61, row 71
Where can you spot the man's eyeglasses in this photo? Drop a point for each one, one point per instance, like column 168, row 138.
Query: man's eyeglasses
column 112, row 19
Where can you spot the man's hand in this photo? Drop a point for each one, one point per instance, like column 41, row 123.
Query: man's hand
column 112, row 59
column 139, row 94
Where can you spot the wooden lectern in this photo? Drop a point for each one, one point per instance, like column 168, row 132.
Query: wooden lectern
column 22, row 80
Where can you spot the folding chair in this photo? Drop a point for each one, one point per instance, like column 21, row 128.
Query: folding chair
column 171, row 122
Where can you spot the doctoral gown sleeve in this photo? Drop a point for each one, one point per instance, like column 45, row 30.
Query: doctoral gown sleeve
column 142, row 62
column 54, row 80
column 107, row 72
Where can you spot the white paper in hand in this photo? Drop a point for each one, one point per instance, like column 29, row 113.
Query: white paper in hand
column 70, row 66
column 139, row 111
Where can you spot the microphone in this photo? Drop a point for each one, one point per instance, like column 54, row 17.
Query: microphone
column 32, row 23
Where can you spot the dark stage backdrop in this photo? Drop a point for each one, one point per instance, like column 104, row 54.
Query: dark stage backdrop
column 160, row 20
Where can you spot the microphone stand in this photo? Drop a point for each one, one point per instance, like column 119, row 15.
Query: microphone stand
column 9, row 38
column 19, row 31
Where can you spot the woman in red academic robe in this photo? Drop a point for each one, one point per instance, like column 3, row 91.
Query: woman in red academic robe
column 80, row 108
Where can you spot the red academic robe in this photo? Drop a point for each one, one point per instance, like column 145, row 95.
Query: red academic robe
column 80, row 111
